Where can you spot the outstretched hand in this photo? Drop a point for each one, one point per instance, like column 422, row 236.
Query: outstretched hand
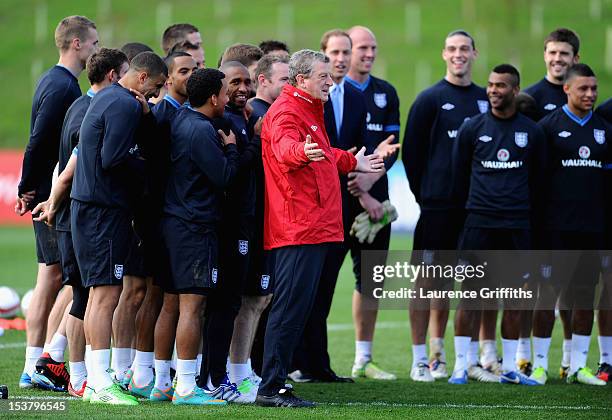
column 386, row 147
column 369, row 163
column 313, row 153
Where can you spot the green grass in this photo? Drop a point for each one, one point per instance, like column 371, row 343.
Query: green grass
column 502, row 30
column 365, row 399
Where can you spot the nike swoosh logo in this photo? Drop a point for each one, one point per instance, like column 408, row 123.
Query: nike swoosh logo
column 516, row 380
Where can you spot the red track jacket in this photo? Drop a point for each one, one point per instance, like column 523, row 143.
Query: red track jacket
column 303, row 204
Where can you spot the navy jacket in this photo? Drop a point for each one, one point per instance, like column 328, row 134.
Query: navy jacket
column 499, row 167
column 69, row 140
column 201, row 169
column 107, row 167
column 55, row 91
column 431, row 130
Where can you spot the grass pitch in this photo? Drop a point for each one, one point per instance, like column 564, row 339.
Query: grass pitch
column 364, row 399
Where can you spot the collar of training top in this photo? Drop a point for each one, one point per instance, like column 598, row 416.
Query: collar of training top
column 302, row 96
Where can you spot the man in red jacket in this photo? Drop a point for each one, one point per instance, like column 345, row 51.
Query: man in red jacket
column 303, row 211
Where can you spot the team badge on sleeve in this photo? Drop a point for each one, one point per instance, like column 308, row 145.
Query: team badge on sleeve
column 118, row 272
column 600, row 136
column 380, row 99
column 483, row 106
column 520, row 138
column 265, row 281
column 243, row 246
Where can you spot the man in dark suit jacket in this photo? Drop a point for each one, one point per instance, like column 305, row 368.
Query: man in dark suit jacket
column 345, row 123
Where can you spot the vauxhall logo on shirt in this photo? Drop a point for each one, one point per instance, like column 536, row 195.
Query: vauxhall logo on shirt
column 503, row 161
column 585, row 153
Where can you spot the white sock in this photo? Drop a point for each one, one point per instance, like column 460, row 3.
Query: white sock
column 78, row 375
column 419, row 354
column 198, row 362
column 100, row 362
column 162, row 374
column 88, row 358
column 250, row 366
column 580, row 351
column 436, row 348
column 56, row 347
column 541, row 345
column 567, row 352
column 509, row 355
column 132, row 356
column 472, row 357
column 488, row 353
column 209, row 383
column 174, row 358
column 363, row 352
column 605, row 349
column 462, row 347
column 185, row 371
column 523, row 350
column 31, row 356
column 238, row 372
column 143, row 368
column 122, row 360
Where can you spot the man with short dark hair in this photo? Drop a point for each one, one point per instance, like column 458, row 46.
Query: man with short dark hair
column 247, row 54
column 204, row 163
column 132, row 49
column 302, row 212
column 431, row 128
column 236, row 233
column 181, row 66
column 561, row 51
column 274, row 47
column 573, row 219
column 76, row 39
column 248, row 340
column 179, row 33
column 195, row 50
column 498, row 165
column 105, row 67
column 105, row 184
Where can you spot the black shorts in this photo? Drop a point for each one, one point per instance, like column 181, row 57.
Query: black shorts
column 135, row 264
column 46, row 243
column 101, row 242
column 71, row 275
column 192, row 251
column 436, row 230
column 575, row 263
column 260, row 280
column 235, row 247
column 502, row 251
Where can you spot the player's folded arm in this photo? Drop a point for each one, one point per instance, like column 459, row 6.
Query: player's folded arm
column 219, row 166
